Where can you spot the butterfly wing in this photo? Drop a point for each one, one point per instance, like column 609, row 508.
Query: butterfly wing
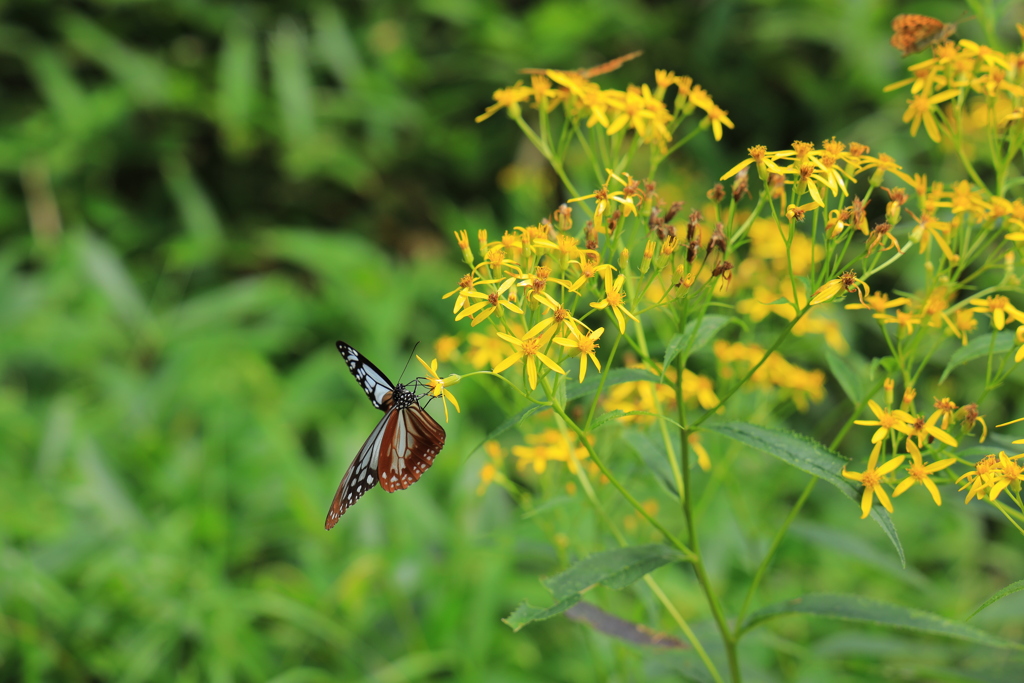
column 374, row 382
column 410, row 443
column 361, row 475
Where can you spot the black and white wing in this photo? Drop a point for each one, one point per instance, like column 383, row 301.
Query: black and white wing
column 361, row 475
column 374, row 382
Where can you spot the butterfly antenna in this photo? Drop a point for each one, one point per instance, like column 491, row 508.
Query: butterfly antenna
column 411, row 354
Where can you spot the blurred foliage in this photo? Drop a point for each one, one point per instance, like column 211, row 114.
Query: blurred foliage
column 197, row 199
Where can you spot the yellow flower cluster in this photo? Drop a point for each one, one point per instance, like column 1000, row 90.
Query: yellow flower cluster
column 800, row 385
column 637, row 108
column 960, row 71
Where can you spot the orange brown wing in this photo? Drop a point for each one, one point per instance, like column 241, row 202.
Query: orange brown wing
column 410, row 444
column 914, row 32
column 591, row 72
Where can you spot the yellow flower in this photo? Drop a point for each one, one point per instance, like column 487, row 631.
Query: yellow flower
column 902, row 318
column 584, row 344
column 589, row 267
column 848, row 282
column 614, row 297
column 438, row 386
column 1009, row 471
column 550, row 445
column 484, row 350
column 507, row 97
column 921, row 111
column 878, row 302
column 490, row 472
column 871, row 478
column 921, row 473
column 528, row 348
column 492, row 302
column 703, row 459
column 980, row 478
column 886, row 420
column 467, row 283
column 999, row 307
column 923, row 429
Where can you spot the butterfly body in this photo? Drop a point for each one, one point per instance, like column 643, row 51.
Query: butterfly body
column 593, row 71
column 399, row 449
column 914, row 32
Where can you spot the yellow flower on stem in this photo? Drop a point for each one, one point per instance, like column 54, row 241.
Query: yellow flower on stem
column 922, row 429
column 847, row 282
column 507, row 97
column 584, row 344
column 765, row 161
column 614, row 297
column 878, row 302
column 438, row 386
column 528, row 348
column 905, row 319
column 1009, row 472
column 980, row 478
column 492, row 302
column 465, row 290
column 1000, row 308
column 921, row 111
column 589, row 267
column 896, row 420
column 921, row 473
column 871, row 478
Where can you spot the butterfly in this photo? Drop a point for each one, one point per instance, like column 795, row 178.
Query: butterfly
column 914, row 32
column 399, row 449
column 599, row 70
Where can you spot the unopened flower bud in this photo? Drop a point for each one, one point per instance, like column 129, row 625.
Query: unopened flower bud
column 624, row 260
column 563, row 217
column 649, row 248
column 909, row 394
column 888, row 385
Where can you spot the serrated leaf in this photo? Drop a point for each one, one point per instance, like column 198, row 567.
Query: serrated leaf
column 850, row 378
column 604, row 418
column 1014, row 587
column 809, row 456
column 615, row 569
column 869, row 611
column 978, row 347
column 694, row 336
column 526, row 613
column 616, row 376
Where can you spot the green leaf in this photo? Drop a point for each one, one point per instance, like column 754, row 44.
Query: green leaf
column 526, row 613
column 850, row 371
column 868, row 611
column 513, row 421
column 238, row 83
column 1014, row 587
column 604, row 418
column 978, row 347
column 616, row 376
column 615, row 569
column 809, row 456
column 694, row 336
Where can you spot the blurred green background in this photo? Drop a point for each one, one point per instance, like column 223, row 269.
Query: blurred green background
column 198, row 198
